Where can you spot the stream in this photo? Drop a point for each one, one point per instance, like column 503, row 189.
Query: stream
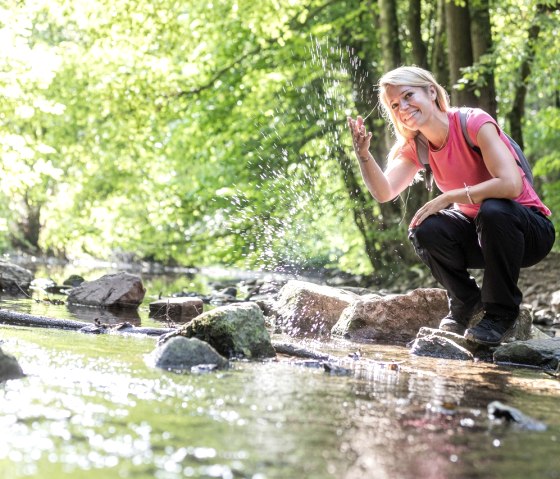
column 89, row 407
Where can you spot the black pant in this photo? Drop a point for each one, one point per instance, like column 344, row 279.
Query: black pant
column 504, row 237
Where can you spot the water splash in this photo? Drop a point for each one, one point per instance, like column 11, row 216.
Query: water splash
column 307, row 222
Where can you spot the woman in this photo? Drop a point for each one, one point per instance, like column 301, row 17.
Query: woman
column 488, row 215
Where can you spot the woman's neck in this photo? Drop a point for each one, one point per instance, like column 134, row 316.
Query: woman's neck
column 437, row 131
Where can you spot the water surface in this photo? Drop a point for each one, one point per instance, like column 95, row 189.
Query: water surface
column 90, row 407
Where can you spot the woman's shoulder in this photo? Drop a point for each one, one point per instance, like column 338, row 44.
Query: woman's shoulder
column 471, row 113
column 474, row 119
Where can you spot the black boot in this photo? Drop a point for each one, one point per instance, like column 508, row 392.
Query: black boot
column 492, row 330
column 458, row 323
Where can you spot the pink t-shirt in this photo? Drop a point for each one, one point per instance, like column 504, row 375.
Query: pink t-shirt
column 456, row 164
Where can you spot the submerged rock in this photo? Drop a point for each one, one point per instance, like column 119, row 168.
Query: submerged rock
column 9, row 367
column 501, row 412
column 119, row 289
column 184, row 354
column 236, row 330
column 309, row 309
column 395, row 318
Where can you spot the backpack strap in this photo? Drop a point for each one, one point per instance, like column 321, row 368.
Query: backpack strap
column 463, row 115
column 423, row 152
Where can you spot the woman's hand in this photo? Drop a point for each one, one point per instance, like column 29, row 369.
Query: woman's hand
column 360, row 138
column 430, row 208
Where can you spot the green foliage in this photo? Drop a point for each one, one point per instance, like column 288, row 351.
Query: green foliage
column 197, row 133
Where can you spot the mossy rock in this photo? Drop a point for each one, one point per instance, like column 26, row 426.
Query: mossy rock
column 236, row 330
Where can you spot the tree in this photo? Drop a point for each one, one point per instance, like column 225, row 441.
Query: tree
column 141, row 127
column 459, row 51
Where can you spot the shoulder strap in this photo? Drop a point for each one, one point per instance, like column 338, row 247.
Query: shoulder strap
column 423, row 151
column 463, row 114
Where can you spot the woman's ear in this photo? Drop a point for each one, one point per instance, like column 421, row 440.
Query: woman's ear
column 433, row 92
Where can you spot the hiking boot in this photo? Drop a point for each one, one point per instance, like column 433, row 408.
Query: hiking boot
column 457, row 323
column 492, row 330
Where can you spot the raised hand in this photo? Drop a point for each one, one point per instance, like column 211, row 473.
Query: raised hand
column 360, row 138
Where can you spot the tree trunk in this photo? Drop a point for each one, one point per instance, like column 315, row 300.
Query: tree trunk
column 517, row 112
column 459, row 51
column 439, row 65
column 390, row 45
column 28, row 228
column 481, row 37
column 419, row 51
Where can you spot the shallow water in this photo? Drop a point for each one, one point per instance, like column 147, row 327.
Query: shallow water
column 90, row 407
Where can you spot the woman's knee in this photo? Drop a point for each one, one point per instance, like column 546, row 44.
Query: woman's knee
column 493, row 209
column 427, row 233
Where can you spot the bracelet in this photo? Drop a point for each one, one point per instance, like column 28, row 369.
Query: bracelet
column 467, row 191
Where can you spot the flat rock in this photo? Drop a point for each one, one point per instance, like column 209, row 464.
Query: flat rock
column 541, row 353
column 118, row 289
column 394, row 318
column 437, row 346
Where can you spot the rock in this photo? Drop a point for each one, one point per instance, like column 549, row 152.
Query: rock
column 263, row 290
column 541, row 353
column 437, row 346
column 180, row 354
column 177, row 309
column 444, row 344
column 309, row 309
column 448, row 346
column 536, row 333
column 456, row 338
column 73, row 280
column 298, row 350
column 119, row 289
column 335, row 369
column 499, row 411
column 236, row 330
column 523, row 325
column 395, row 318
column 14, row 278
column 544, row 316
column 9, row 367
column 555, row 301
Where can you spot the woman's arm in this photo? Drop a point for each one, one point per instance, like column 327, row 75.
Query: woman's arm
column 383, row 186
column 506, row 182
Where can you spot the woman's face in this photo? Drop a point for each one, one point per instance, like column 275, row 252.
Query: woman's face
column 411, row 106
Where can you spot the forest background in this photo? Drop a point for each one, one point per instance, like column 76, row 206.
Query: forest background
column 197, row 133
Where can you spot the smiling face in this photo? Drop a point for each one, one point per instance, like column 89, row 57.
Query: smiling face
column 411, row 107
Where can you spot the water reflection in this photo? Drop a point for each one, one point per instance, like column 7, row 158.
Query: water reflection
column 91, row 405
column 104, row 315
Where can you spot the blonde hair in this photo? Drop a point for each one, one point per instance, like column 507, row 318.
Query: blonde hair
column 408, row 76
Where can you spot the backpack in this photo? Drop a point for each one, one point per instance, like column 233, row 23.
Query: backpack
column 422, row 150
